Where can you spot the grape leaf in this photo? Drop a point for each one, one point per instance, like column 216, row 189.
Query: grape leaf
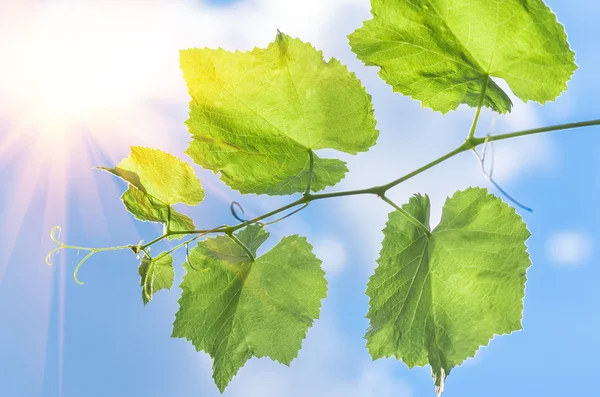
column 233, row 308
column 444, row 52
column 254, row 116
column 157, row 180
column 146, row 208
column 155, row 274
column 436, row 299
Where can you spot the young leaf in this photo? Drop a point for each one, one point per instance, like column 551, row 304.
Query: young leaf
column 255, row 115
column 156, row 274
column 157, row 181
column 233, row 308
column 444, row 52
column 436, row 299
column 146, row 208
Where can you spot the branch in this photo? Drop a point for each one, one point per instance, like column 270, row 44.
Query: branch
column 580, row 124
column 469, row 144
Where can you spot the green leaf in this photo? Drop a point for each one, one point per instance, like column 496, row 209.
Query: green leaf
column 233, row 308
column 156, row 274
column 146, row 208
column 254, row 116
column 435, row 300
column 157, row 181
column 443, row 52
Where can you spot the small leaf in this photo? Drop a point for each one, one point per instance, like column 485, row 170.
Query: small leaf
column 157, row 180
column 235, row 309
column 156, row 274
column 254, row 116
column 435, row 300
column 444, row 52
column 146, row 208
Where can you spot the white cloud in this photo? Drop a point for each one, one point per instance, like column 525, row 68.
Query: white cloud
column 332, row 252
column 325, row 367
column 569, row 248
column 379, row 383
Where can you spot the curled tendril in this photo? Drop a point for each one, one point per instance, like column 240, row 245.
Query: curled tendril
column 57, row 230
column 48, row 262
column 187, row 259
column 233, row 210
column 187, row 256
column 85, row 258
column 54, row 236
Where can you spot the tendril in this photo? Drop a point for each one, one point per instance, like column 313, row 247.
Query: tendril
column 55, row 235
column 489, row 175
column 85, row 258
column 286, row 216
column 187, row 256
column 239, row 218
column 57, row 230
column 234, row 212
column 48, row 262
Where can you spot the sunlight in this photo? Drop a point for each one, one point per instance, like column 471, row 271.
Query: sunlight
column 73, row 96
column 72, row 67
column 85, row 74
column 81, row 83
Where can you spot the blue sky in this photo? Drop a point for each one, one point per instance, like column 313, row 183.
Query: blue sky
column 61, row 339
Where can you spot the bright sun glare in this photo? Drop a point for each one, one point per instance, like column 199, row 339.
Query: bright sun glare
column 78, row 84
column 72, row 67
column 84, row 68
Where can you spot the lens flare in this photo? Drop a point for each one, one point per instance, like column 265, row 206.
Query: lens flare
column 81, row 82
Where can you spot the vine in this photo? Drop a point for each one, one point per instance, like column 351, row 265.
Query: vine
column 259, row 117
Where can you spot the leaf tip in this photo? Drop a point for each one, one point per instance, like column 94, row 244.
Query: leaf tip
column 280, row 36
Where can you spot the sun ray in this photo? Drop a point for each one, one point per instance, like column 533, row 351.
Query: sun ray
column 55, row 212
column 70, row 102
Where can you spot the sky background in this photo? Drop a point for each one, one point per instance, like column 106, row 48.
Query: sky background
column 81, row 81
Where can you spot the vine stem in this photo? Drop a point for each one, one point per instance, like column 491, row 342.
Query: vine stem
column 470, row 143
column 478, row 112
column 408, row 216
column 558, row 127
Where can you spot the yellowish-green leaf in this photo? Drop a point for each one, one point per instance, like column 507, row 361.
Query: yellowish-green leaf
column 161, row 175
column 157, row 181
column 146, row 208
column 444, row 52
column 254, row 116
